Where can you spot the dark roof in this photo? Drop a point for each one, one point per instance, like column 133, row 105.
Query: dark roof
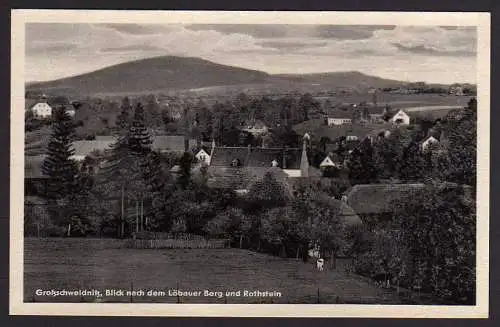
column 239, row 178
column 106, row 138
column 434, row 114
column 256, row 157
column 379, row 198
column 174, row 143
column 33, row 166
column 375, row 110
column 339, row 114
column 85, row 148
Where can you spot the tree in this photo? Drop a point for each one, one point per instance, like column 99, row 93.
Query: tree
column 58, row 165
column 123, row 119
column 462, row 147
column 438, row 227
column 139, row 139
column 185, row 163
column 361, row 164
column 308, row 106
column 411, row 167
column 267, row 193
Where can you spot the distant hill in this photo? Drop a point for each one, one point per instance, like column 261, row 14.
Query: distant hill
column 169, row 73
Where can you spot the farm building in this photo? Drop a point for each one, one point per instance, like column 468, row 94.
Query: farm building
column 401, row 118
column 173, row 143
column 376, row 203
column 339, row 117
column 203, row 156
column 241, row 166
column 254, row 127
column 84, row 149
column 41, row 110
column 35, row 182
column 429, row 141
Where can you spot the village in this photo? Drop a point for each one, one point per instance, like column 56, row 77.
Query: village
column 291, row 177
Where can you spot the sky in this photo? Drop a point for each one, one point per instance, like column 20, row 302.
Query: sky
column 433, row 54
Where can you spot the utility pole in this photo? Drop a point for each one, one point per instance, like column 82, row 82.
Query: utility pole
column 136, row 215
column 122, row 231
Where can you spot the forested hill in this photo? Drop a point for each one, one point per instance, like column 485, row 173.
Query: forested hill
column 169, row 73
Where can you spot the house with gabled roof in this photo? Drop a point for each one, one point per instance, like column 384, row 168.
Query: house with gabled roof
column 339, row 117
column 332, row 160
column 241, row 166
column 428, row 142
column 401, row 118
column 376, row 203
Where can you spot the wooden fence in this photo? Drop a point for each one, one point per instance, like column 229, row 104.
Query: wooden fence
column 151, row 240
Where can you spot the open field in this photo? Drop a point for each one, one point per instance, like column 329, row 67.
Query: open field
column 103, row 264
column 401, row 101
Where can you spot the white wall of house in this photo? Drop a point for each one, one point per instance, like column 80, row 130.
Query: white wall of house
column 327, row 162
column 338, row 121
column 42, row 110
column 77, row 158
column 401, row 118
column 203, row 156
column 430, row 140
column 292, row 172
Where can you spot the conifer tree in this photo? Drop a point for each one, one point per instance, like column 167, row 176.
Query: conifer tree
column 123, row 119
column 139, row 139
column 58, row 166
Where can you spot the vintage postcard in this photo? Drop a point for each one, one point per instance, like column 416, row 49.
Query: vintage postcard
column 273, row 164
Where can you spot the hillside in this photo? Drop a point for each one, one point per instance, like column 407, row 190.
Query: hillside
column 153, row 74
column 351, row 79
column 168, row 73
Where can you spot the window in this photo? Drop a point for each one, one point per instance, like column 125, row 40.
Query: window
column 202, row 157
column 235, row 163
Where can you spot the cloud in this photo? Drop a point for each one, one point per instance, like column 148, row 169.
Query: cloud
column 291, row 44
column 68, row 49
column 427, row 50
column 137, row 29
column 49, row 48
column 132, row 47
column 258, row 31
column 342, row 32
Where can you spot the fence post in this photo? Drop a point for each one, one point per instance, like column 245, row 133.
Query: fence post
column 178, row 297
column 318, row 296
column 131, row 291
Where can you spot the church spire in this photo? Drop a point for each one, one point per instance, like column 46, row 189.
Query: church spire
column 304, row 163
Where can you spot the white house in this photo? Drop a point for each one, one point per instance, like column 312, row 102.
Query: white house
column 328, row 162
column 203, row 156
column 338, row 121
column 41, row 110
column 351, row 138
column 428, row 142
column 401, row 118
column 339, row 117
column 70, row 111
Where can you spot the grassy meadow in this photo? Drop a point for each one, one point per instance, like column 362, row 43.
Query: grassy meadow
column 105, row 264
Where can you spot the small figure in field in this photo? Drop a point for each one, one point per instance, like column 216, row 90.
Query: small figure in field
column 320, row 263
column 383, row 280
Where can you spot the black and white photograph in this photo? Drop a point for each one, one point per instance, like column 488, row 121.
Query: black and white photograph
column 313, row 166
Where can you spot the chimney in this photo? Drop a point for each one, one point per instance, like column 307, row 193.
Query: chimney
column 186, row 143
column 304, row 163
